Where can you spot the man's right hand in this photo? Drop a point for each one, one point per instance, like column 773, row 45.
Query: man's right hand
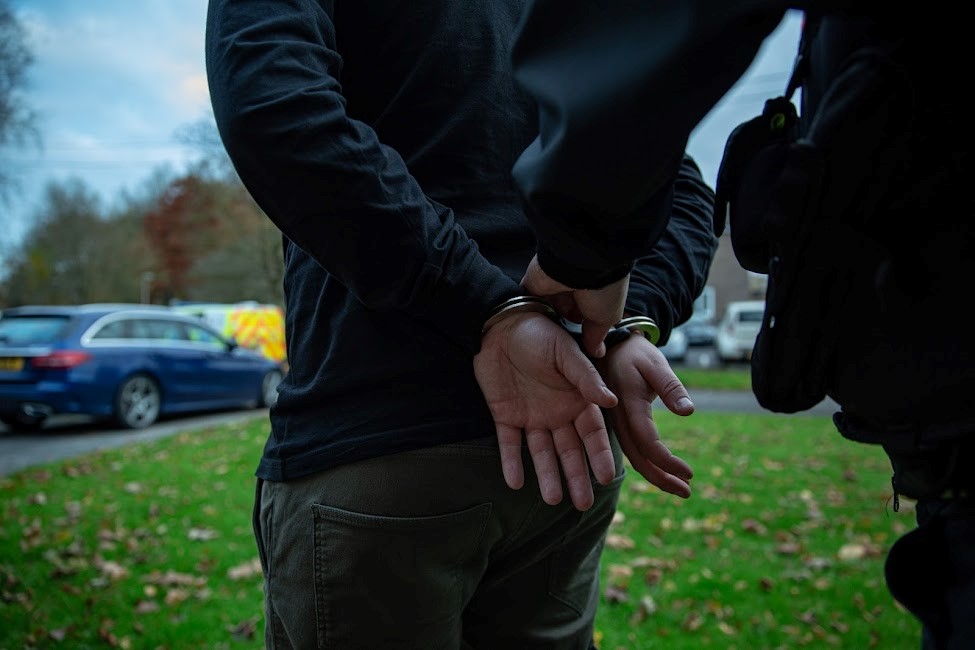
column 536, row 379
column 598, row 310
column 639, row 372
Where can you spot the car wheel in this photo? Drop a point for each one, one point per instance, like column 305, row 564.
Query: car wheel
column 269, row 389
column 23, row 423
column 137, row 402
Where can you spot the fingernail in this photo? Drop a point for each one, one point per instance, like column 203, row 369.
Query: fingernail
column 685, row 403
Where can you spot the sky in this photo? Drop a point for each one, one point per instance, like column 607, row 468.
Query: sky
column 114, row 81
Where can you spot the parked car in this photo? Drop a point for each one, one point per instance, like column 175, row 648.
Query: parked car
column 700, row 333
column 676, row 347
column 738, row 330
column 252, row 325
column 128, row 363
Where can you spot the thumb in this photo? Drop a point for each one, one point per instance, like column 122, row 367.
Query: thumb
column 580, row 372
column 594, row 337
column 676, row 398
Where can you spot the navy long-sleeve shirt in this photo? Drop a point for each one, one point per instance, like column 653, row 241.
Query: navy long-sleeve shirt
column 379, row 138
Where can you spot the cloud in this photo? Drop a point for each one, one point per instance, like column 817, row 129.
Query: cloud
column 766, row 78
column 113, row 80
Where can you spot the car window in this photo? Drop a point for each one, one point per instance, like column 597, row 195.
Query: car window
column 163, row 330
column 750, row 317
column 205, row 337
column 119, row 329
column 168, row 331
column 31, row 330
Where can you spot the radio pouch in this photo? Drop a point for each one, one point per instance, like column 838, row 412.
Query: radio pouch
column 800, row 208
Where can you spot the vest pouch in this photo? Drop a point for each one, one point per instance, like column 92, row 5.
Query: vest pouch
column 753, row 159
column 769, row 187
column 793, row 350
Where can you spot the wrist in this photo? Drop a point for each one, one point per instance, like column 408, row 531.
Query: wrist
column 642, row 324
column 518, row 305
column 579, row 277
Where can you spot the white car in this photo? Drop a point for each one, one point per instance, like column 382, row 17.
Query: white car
column 738, row 330
column 676, row 347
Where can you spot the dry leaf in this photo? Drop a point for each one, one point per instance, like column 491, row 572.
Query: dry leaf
column 245, row 571
column 202, row 534
column 620, row 542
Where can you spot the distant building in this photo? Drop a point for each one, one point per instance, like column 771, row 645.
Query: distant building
column 730, row 281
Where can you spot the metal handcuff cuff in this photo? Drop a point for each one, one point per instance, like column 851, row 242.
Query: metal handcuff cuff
column 526, row 304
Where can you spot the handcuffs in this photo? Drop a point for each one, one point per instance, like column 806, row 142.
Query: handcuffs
column 619, row 333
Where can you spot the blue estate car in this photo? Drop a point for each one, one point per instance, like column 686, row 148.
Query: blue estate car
column 127, row 363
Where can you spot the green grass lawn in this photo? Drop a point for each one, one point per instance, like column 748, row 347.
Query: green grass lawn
column 781, row 545
column 730, row 378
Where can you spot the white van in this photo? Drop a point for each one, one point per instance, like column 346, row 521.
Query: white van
column 738, row 330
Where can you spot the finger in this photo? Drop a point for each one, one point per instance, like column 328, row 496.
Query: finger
column 509, row 442
column 566, row 306
column 664, row 481
column 579, row 371
column 542, row 450
column 654, row 475
column 668, row 387
column 594, row 338
column 573, row 461
column 595, row 438
column 645, row 437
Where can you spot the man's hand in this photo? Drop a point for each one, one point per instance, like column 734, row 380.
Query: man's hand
column 638, row 372
column 536, row 379
column 598, row 310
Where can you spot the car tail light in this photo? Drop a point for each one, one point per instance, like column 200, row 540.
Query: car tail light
column 61, row 360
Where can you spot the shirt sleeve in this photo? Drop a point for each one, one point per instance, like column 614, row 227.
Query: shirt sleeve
column 326, row 180
column 620, row 85
column 665, row 282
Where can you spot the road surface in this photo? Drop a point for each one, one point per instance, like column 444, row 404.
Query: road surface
column 67, row 437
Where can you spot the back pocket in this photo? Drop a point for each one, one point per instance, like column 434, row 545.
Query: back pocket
column 387, row 582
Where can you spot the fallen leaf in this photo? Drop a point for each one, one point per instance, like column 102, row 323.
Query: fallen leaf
column 787, row 548
column 653, row 576
column 146, row 607
column 176, row 596
column 244, row 631
column 202, row 534
column 618, row 571
column 726, row 628
column 849, row 552
column 111, row 570
column 692, row 621
column 753, row 526
column 245, row 571
column 616, row 594
column 620, row 542
column 648, row 605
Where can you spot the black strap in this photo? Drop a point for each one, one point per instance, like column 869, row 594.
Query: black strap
column 810, row 25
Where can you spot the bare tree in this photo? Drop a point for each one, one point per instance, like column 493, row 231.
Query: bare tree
column 73, row 254
column 213, row 163
column 16, row 119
